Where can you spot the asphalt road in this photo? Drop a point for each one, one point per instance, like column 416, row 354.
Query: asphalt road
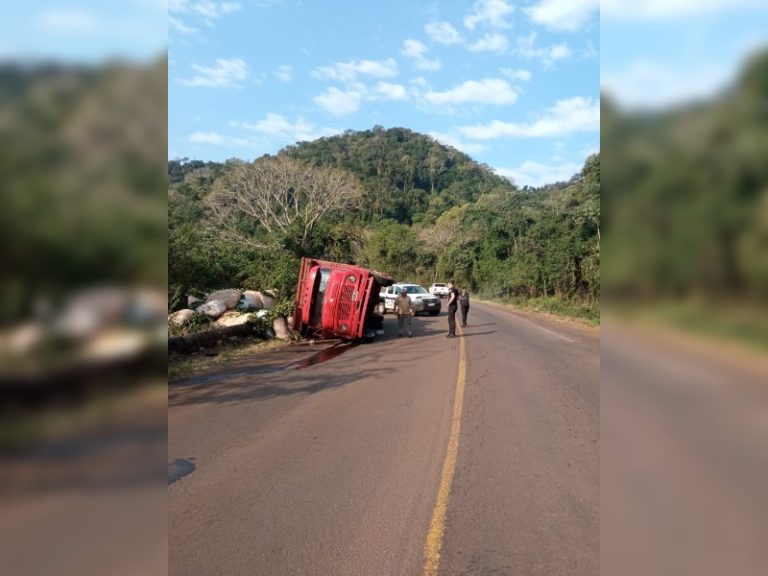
column 279, row 464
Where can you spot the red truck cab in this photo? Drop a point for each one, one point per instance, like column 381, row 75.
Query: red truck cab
column 335, row 300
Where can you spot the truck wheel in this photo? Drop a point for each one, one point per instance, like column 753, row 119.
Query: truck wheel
column 383, row 279
column 380, row 309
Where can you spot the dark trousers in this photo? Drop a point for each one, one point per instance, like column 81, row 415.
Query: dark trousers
column 464, row 312
column 452, row 320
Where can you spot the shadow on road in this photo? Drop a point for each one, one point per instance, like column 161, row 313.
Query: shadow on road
column 275, row 374
column 466, row 335
column 242, row 389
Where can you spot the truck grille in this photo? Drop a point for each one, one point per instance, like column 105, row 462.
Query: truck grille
column 345, row 301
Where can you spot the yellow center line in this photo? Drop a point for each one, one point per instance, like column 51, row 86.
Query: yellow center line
column 437, row 525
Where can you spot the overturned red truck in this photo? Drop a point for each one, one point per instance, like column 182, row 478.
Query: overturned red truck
column 335, row 300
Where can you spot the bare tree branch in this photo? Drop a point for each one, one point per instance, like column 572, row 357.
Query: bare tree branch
column 280, row 192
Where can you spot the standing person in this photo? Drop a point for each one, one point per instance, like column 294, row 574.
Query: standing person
column 464, row 303
column 405, row 311
column 453, row 305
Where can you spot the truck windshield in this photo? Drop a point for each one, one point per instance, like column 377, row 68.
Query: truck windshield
column 415, row 290
column 318, row 298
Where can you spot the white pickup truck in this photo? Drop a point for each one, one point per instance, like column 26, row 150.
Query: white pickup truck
column 423, row 301
column 439, row 289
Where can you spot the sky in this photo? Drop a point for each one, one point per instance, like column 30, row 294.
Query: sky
column 514, row 84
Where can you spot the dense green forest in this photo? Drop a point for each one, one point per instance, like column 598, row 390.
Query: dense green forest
column 393, row 200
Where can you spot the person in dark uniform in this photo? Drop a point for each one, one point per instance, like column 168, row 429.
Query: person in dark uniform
column 453, row 305
column 464, row 303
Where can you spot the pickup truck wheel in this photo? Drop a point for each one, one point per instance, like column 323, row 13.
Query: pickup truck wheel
column 380, row 309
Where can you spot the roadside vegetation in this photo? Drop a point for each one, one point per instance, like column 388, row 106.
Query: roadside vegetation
column 392, row 200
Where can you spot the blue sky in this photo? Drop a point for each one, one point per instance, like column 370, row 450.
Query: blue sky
column 662, row 53
column 513, row 84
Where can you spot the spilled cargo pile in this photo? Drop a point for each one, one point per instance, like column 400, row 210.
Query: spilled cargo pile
column 226, row 313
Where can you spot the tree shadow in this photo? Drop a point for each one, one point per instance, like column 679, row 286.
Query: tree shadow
column 281, row 374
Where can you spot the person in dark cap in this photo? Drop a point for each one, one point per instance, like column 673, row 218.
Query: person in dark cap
column 453, row 306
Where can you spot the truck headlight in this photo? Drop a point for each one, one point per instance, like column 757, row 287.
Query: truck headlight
column 344, row 327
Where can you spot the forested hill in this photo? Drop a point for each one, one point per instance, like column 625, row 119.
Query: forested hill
column 391, row 199
column 408, row 177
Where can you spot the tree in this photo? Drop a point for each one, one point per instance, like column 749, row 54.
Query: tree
column 282, row 195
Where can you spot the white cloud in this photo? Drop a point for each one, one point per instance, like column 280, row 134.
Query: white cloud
column 490, row 13
column 458, row 143
column 486, row 91
column 648, row 84
column 207, row 138
column 565, row 117
column 548, row 55
column 491, row 42
column 564, row 15
column 216, row 139
column 349, row 71
column 522, row 75
column 341, row 102
column 204, row 8
column 663, row 10
column 180, row 27
column 225, row 74
column 67, row 20
column 536, row 174
column 391, row 91
column 415, row 51
column 281, row 127
column 443, row 33
column 284, row 73
column 277, row 124
column 558, row 52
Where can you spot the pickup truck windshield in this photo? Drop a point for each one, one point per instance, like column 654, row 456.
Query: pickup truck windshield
column 415, row 290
